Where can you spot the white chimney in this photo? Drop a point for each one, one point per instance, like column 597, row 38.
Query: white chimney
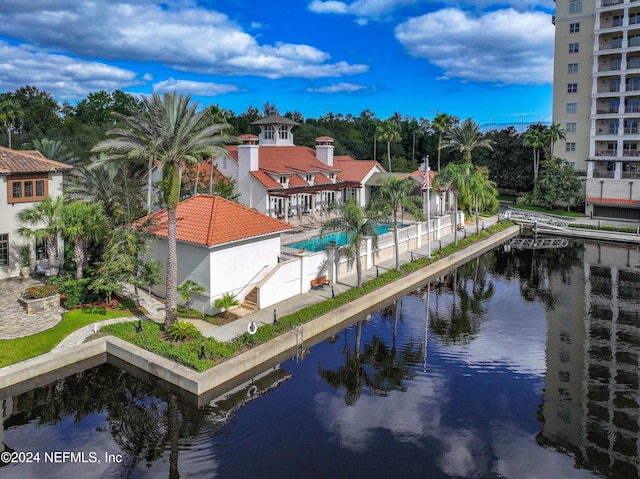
column 324, row 150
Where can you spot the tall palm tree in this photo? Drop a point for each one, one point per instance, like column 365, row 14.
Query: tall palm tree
column 43, row 221
column 535, row 138
column 171, row 132
column 453, row 176
column 396, row 194
column 357, row 223
column 389, row 131
column 466, row 138
column 483, row 192
column 10, row 113
column 82, row 223
column 553, row 134
column 442, row 123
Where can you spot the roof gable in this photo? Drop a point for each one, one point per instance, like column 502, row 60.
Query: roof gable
column 28, row 161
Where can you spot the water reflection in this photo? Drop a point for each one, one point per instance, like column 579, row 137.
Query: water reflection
column 531, row 371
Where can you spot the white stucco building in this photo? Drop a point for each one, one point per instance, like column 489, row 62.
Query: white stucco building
column 280, row 179
column 222, row 246
column 26, row 177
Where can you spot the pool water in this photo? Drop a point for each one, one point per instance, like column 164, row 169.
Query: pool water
column 320, row 243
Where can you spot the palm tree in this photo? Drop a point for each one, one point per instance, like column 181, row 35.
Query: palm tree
column 466, row 138
column 10, row 113
column 552, row 134
column 171, row 132
column 389, row 131
column 396, row 194
column 82, row 223
column 453, row 176
column 483, row 192
column 442, row 123
column 357, row 223
column 535, row 138
column 54, row 150
column 43, row 221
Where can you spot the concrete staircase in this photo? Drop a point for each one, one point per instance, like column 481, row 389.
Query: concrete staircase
column 251, row 300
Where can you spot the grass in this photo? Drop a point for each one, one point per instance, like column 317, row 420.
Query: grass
column 570, row 214
column 187, row 353
column 16, row 350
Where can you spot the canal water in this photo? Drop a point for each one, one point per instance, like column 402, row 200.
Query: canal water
column 523, row 363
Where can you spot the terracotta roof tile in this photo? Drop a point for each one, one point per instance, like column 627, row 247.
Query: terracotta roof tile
column 295, row 180
column 211, row 220
column 612, row 201
column 265, row 179
column 28, row 161
column 320, row 179
column 354, row 170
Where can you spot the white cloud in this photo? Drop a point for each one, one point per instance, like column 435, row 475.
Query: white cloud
column 500, row 47
column 343, row 87
column 179, row 35
column 69, row 78
column 363, row 9
column 195, row 88
column 319, row 6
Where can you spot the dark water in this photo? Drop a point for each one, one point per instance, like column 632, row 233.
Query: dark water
column 522, row 364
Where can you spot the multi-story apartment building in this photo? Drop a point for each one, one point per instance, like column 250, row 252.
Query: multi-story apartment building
column 596, row 99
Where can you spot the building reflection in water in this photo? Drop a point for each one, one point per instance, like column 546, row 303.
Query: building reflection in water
column 591, row 403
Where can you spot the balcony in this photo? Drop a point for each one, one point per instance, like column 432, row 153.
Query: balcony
column 607, row 153
column 631, row 153
column 633, row 130
column 605, row 111
column 608, row 3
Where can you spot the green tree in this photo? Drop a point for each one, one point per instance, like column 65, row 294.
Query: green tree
column 557, row 184
column 483, row 192
column 389, row 131
column 453, row 176
column 171, row 132
column 43, row 221
column 226, row 302
column 187, row 290
column 357, row 223
column 466, row 138
column 10, row 113
column 394, row 195
column 535, row 138
column 82, row 224
column 442, row 123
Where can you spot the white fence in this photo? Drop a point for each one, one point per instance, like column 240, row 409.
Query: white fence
column 294, row 277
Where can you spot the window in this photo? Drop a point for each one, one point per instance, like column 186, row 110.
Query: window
column 23, row 189
column 283, row 180
column 617, row 20
column 269, row 132
column 614, row 85
column 631, row 127
column 575, row 6
column 4, row 249
column 574, row 47
column 633, row 84
column 634, row 18
column 283, row 132
column 616, row 42
column 308, row 178
column 572, row 68
column 570, row 146
column 570, row 127
column 572, row 88
column 574, row 27
column 572, row 108
column 564, row 376
column 613, row 127
column 632, row 105
column 616, row 64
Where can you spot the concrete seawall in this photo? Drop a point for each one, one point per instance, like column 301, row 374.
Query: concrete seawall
column 49, row 367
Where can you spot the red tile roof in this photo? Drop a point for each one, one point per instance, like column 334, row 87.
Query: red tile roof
column 211, row 220
column 320, row 179
column 419, row 174
column 265, row 180
column 353, row 170
column 295, row 180
column 612, row 201
column 28, row 161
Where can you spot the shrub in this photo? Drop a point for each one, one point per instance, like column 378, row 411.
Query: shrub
column 37, row 292
column 182, row 331
column 95, row 310
column 77, row 292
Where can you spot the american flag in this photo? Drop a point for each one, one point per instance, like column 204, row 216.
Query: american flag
column 425, row 179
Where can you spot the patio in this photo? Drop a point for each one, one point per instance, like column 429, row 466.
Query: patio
column 14, row 321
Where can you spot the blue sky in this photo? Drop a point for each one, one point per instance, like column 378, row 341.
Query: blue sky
column 473, row 58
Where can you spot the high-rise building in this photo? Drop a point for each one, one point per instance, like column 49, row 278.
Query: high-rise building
column 596, row 99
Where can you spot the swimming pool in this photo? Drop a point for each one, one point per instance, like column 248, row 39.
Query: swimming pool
column 319, row 243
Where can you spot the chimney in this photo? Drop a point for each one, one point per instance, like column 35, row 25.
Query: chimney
column 248, row 153
column 324, row 150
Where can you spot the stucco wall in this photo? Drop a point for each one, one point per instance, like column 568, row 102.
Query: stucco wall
column 9, row 224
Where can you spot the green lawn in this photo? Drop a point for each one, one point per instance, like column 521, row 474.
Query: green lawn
column 16, row 350
column 570, row 214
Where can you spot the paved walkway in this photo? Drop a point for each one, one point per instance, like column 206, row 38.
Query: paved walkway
column 14, row 322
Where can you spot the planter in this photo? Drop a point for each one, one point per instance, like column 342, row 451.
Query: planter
column 40, row 305
column 24, row 271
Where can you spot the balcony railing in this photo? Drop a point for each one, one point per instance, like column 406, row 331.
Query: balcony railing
column 608, row 3
column 631, row 130
column 607, row 153
column 631, row 153
column 602, row 174
column 630, row 175
column 604, row 111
